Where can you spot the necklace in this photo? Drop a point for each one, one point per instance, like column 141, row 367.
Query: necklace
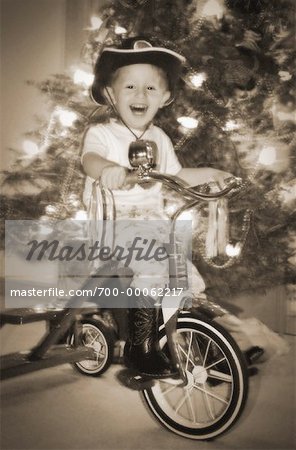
column 141, row 152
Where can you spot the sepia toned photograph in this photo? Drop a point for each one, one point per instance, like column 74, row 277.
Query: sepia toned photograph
column 148, row 245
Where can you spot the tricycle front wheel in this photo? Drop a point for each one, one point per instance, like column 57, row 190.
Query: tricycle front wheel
column 217, row 387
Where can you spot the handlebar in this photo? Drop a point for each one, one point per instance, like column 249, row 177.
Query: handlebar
column 190, row 193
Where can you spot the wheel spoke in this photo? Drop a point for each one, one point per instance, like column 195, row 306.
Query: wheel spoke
column 207, row 351
column 181, row 403
column 171, row 381
column 209, row 406
column 220, row 376
column 215, row 363
column 189, row 349
column 191, row 406
column 90, row 334
column 198, row 350
column 222, row 400
column 183, row 351
column 169, row 389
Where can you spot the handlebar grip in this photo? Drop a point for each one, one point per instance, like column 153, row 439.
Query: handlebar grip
column 233, row 182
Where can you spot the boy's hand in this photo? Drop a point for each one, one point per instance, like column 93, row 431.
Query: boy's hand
column 113, row 177
column 219, row 176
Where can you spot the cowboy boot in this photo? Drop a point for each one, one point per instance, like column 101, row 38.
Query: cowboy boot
column 142, row 351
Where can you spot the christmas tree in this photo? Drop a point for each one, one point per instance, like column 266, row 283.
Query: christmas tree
column 234, row 110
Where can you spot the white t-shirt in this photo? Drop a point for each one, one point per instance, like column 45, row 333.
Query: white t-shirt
column 111, row 141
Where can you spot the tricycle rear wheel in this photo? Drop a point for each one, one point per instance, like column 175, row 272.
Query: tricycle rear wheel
column 96, row 335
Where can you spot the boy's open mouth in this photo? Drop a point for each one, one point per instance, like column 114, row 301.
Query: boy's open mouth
column 138, row 109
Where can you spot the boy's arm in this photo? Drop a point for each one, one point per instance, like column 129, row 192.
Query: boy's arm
column 201, row 175
column 112, row 175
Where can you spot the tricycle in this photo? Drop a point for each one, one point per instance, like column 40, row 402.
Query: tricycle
column 209, row 392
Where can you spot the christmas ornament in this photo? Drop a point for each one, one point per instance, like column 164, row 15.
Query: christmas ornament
column 204, row 251
column 218, row 230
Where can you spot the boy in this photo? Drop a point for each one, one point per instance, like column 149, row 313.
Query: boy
column 137, row 80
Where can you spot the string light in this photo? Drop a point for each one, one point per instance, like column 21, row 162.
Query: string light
column 197, row 79
column 231, row 125
column 66, row 117
column 267, row 156
column 44, row 229
column 213, row 8
column 120, row 30
column 81, row 215
column 186, row 215
column 96, row 22
column 83, row 77
column 30, row 147
column 188, row 122
column 50, row 209
column 233, row 250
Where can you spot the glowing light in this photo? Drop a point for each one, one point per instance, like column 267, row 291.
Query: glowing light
column 66, row 117
column 82, row 77
column 119, row 30
column 267, row 156
column 213, row 8
column 233, row 250
column 186, row 215
column 96, row 22
column 231, row 125
column 81, row 215
column 198, row 79
column 44, row 226
column 39, row 308
column 50, row 209
column 44, row 230
column 188, row 122
column 284, row 75
column 30, row 147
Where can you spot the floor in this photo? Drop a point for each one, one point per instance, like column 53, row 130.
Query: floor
column 59, row 409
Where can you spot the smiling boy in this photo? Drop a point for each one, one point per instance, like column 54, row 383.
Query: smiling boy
column 137, row 80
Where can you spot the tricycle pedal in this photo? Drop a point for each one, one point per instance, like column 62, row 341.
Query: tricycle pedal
column 131, row 379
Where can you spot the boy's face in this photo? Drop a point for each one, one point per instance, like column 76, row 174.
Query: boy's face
column 138, row 91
